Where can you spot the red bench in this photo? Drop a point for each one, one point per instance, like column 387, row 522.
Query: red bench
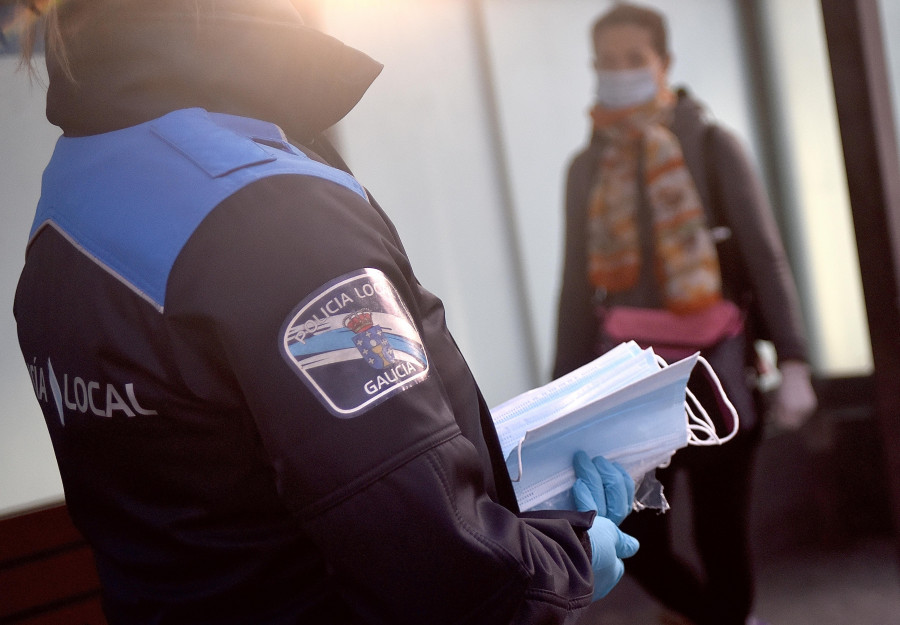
column 47, row 571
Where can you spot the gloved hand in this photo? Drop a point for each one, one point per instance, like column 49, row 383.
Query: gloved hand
column 603, row 486
column 609, row 545
column 795, row 400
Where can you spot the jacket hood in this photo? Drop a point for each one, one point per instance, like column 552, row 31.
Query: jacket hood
column 136, row 60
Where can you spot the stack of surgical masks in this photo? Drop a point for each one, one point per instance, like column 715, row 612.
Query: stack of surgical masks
column 627, row 405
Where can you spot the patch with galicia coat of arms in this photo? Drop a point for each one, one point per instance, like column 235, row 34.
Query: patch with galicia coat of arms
column 354, row 343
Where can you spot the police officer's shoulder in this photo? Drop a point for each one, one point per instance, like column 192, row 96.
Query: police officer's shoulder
column 233, row 147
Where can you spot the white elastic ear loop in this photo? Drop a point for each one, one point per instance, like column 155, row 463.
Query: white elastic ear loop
column 703, row 424
column 702, row 429
column 519, row 454
column 707, row 422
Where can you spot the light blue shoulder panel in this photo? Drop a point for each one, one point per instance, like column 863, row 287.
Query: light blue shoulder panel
column 131, row 199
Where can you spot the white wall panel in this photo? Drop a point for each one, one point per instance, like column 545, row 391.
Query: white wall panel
column 28, row 473
column 889, row 11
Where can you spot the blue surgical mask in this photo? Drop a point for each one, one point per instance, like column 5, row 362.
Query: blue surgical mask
column 619, row 89
column 640, row 425
column 614, row 369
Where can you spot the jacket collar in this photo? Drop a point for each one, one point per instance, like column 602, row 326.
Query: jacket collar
column 137, row 60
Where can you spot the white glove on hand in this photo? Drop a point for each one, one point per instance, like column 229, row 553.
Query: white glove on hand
column 795, row 400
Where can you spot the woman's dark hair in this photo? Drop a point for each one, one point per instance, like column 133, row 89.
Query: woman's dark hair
column 650, row 19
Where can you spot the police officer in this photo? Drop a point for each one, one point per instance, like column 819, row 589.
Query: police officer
column 258, row 412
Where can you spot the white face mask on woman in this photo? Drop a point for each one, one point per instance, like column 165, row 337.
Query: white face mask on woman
column 619, row 89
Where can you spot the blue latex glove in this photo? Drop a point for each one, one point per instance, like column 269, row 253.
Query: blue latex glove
column 603, row 486
column 609, row 545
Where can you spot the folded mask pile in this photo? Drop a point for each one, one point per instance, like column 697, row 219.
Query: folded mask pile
column 628, row 405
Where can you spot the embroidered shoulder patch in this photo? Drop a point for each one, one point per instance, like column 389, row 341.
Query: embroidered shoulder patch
column 354, row 343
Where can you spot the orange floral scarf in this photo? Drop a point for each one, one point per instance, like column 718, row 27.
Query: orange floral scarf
column 686, row 263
